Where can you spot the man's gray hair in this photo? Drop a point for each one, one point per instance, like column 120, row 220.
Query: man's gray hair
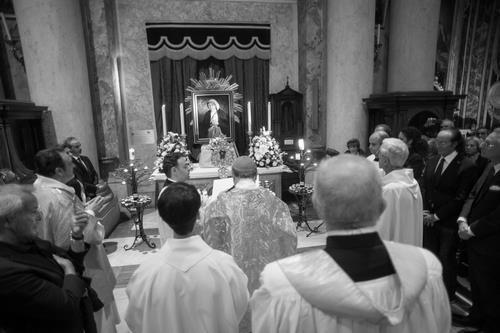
column 395, row 150
column 380, row 136
column 348, row 192
column 13, row 200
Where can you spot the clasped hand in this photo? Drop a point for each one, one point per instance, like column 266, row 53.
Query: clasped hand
column 80, row 221
column 429, row 219
column 464, row 231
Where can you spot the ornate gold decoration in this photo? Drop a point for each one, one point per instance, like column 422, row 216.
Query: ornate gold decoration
column 216, row 83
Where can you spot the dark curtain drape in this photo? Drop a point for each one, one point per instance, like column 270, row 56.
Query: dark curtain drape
column 252, row 76
column 170, row 79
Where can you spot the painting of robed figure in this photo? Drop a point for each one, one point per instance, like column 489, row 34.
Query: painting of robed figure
column 212, row 115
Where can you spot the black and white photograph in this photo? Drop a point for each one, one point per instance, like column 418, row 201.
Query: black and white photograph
column 249, row 166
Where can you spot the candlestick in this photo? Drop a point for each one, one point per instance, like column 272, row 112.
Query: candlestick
column 131, row 154
column 181, row 111
column 249, row 117
column 301, row 144
column 378, row 34
column 164, row 120
column 269, row 116
column 250, row 134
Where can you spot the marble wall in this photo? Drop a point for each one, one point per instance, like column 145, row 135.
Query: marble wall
column 56, row 67
column 312, row 67
column 135, row 73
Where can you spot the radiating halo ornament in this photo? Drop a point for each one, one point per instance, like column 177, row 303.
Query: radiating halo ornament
column 216, row 83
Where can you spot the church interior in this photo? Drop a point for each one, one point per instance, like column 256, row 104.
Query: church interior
column 132, row 81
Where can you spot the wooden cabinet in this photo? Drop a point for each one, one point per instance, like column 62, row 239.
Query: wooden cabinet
column 401, row 109
column 288, row 118
column 22, row 134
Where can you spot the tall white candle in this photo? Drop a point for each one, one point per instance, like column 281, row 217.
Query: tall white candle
column 181, row 111
column 249, row 110
column 301, row 144
column 378, row 34
column 131, row 154
column 268, row 116
column 164, row 120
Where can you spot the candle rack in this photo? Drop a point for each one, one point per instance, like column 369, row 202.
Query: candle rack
column 300, row 163
column 136, row 204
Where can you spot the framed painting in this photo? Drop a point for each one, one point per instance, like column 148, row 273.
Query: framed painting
column 212, row 115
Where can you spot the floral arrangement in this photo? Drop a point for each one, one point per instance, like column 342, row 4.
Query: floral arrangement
column 169, row 144
column 222, row 151
column 265, row 150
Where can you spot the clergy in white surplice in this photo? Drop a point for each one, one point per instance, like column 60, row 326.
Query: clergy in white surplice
column 402, row 220
column 357, row 283
column 187, row 286
column 59, row 205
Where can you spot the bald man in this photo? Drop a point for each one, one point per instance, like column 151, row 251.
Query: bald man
column 357, row 283
column 375, row 141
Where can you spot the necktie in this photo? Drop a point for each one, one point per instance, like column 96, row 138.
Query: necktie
column 81, row 162
column 439, row 169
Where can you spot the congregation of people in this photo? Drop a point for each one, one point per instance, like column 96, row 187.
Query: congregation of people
column 395, row 221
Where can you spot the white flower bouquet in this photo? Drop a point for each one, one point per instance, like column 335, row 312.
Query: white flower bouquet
column 169, row 144
column 265, row 151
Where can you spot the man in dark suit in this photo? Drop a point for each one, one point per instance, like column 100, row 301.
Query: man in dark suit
column 447, row 181
column 84, row 170
column 41, row 285
column 479, row 225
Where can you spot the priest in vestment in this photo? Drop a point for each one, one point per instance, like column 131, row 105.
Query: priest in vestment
column 58, row 204
column 250, row 223
column 402, row 220
column 187, row 286
column 358, row 283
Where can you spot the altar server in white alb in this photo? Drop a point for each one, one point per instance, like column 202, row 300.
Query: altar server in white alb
column 402, row 220
column 187, row 286
column 358, row 283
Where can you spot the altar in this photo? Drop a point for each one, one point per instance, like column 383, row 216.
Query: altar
column 202, row 178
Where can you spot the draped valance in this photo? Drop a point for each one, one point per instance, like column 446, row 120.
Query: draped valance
column 200, row 41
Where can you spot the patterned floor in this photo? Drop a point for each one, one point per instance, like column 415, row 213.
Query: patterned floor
column 124, row 263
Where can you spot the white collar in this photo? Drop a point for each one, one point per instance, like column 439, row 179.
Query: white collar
column 42, row 181
column 184, row 253
column 496, row 167
column 359, row 231
column 448, row 158
column 246, row 184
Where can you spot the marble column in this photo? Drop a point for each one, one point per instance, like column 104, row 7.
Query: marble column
column 414, row 27
column 350, row 38
column 56, row 66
